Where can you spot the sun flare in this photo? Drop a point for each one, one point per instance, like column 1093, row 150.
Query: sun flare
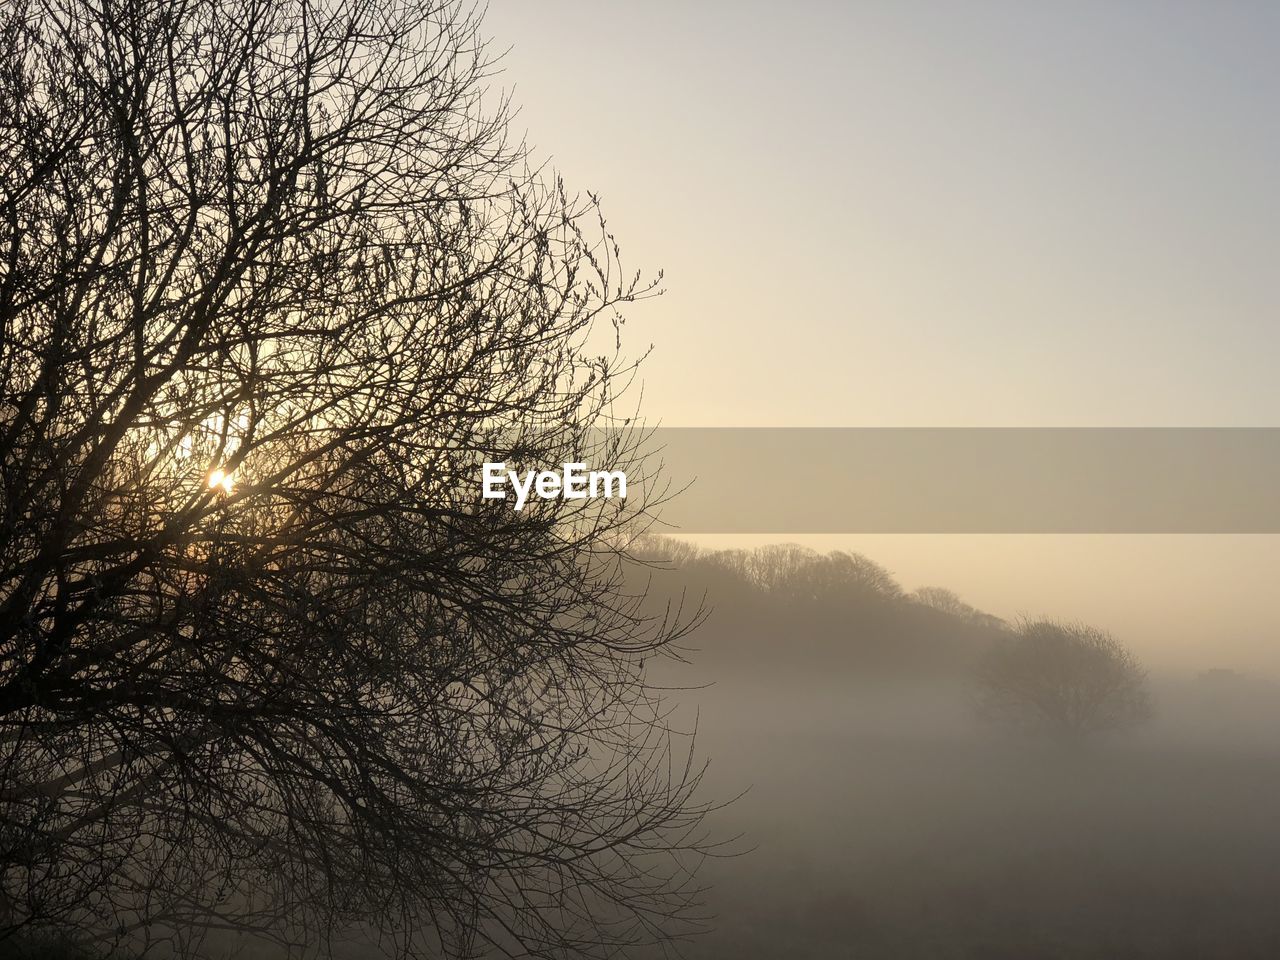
column 220, row 478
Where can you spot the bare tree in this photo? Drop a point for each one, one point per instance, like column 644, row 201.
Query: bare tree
column 1065, row 680
column 273, row 284
column 789, row 569
column 948, row 602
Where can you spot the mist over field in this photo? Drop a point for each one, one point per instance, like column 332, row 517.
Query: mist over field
column 883, row 816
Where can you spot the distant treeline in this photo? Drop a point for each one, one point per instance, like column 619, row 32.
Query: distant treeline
column 788, row 608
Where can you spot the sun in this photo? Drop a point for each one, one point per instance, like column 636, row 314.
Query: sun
column 220, row 478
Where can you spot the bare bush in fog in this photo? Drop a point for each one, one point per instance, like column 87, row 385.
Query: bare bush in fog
column 1067, row 681
column 274, row 285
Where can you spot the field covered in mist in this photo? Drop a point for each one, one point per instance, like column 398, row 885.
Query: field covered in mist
column 883, row 818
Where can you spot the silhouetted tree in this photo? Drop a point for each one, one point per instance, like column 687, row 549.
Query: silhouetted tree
column 273, row 284
column 788, row 569
column 784, row 610
column 1065, row 680
column 948, row 602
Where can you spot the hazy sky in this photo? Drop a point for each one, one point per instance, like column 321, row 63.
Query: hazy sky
column 946, row 214
column 930, row 213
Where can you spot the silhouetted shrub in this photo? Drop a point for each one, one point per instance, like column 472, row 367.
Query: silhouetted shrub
column 1068, row 681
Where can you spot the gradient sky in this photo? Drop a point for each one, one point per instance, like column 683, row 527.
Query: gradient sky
column 902, row 213
column 948, row 214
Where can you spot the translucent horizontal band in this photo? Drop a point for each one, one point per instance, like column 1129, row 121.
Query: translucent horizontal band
column 962, row 480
